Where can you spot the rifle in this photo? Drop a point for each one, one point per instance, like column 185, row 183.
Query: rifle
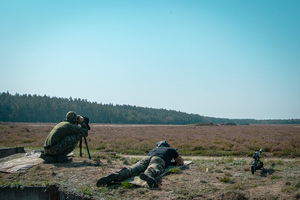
column 86, row 121
column 257, row 164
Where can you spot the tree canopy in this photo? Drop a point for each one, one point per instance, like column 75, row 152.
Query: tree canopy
column 35, row 108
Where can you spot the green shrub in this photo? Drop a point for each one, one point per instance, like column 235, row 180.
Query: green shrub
column 275, row 177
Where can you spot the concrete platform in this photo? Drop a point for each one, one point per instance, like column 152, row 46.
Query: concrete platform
column 4, row 152
column 51, row 192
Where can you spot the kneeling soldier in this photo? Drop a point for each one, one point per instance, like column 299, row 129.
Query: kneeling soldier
column 64, row 138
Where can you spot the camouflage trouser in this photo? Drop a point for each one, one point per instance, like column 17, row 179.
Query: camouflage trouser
column 152, row 166
column 64, row 147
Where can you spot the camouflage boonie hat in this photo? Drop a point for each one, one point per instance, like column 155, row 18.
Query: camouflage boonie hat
column 71, row 116
column 162, row 143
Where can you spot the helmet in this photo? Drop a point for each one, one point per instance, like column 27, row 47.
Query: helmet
column 162, row 143
column 71, row 116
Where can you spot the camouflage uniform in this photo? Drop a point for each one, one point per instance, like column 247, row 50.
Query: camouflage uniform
column 65, row 136
column 151, row 165
column 148, row 168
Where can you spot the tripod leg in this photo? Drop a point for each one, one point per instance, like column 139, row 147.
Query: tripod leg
column 80, row 146
column 87, row 148
column 252, row 169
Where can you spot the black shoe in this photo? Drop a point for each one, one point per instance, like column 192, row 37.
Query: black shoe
column 43, row 155
column 63, row 159
column 107, row 180
column 150, row 181
column 49, row 159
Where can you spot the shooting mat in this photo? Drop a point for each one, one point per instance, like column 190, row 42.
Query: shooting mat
column 21, row 164
column 135, row 180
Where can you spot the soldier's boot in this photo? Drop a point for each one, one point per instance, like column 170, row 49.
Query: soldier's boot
column 117, row 176
column 148, row 177
column 63, row 158
column 50, row 159
column 43, row 155
column 107, row 180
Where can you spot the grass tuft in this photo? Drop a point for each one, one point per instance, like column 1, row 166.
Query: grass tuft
column 175, row 170
column 127, row 185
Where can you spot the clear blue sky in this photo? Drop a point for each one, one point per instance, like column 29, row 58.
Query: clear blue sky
column 217, row 58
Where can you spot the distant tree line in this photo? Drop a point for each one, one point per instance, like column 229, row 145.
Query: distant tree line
column 36, row 108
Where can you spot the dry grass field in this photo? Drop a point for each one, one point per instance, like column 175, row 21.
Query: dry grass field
column 276, row 140
column 220, row 170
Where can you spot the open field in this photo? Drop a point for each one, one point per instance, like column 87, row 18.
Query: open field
column 220, row 154
column 276, row 140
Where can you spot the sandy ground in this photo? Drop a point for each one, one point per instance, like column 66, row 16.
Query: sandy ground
column 206, row 178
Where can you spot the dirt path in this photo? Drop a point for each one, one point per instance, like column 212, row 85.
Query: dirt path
column 219, row 158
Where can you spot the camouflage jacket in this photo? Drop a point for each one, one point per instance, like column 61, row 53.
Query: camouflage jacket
column 64, row 129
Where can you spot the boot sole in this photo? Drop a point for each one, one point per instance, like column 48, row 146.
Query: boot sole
column 106, row 180
column 150, row 181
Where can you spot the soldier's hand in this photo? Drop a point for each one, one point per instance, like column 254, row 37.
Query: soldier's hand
column 80, row 119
